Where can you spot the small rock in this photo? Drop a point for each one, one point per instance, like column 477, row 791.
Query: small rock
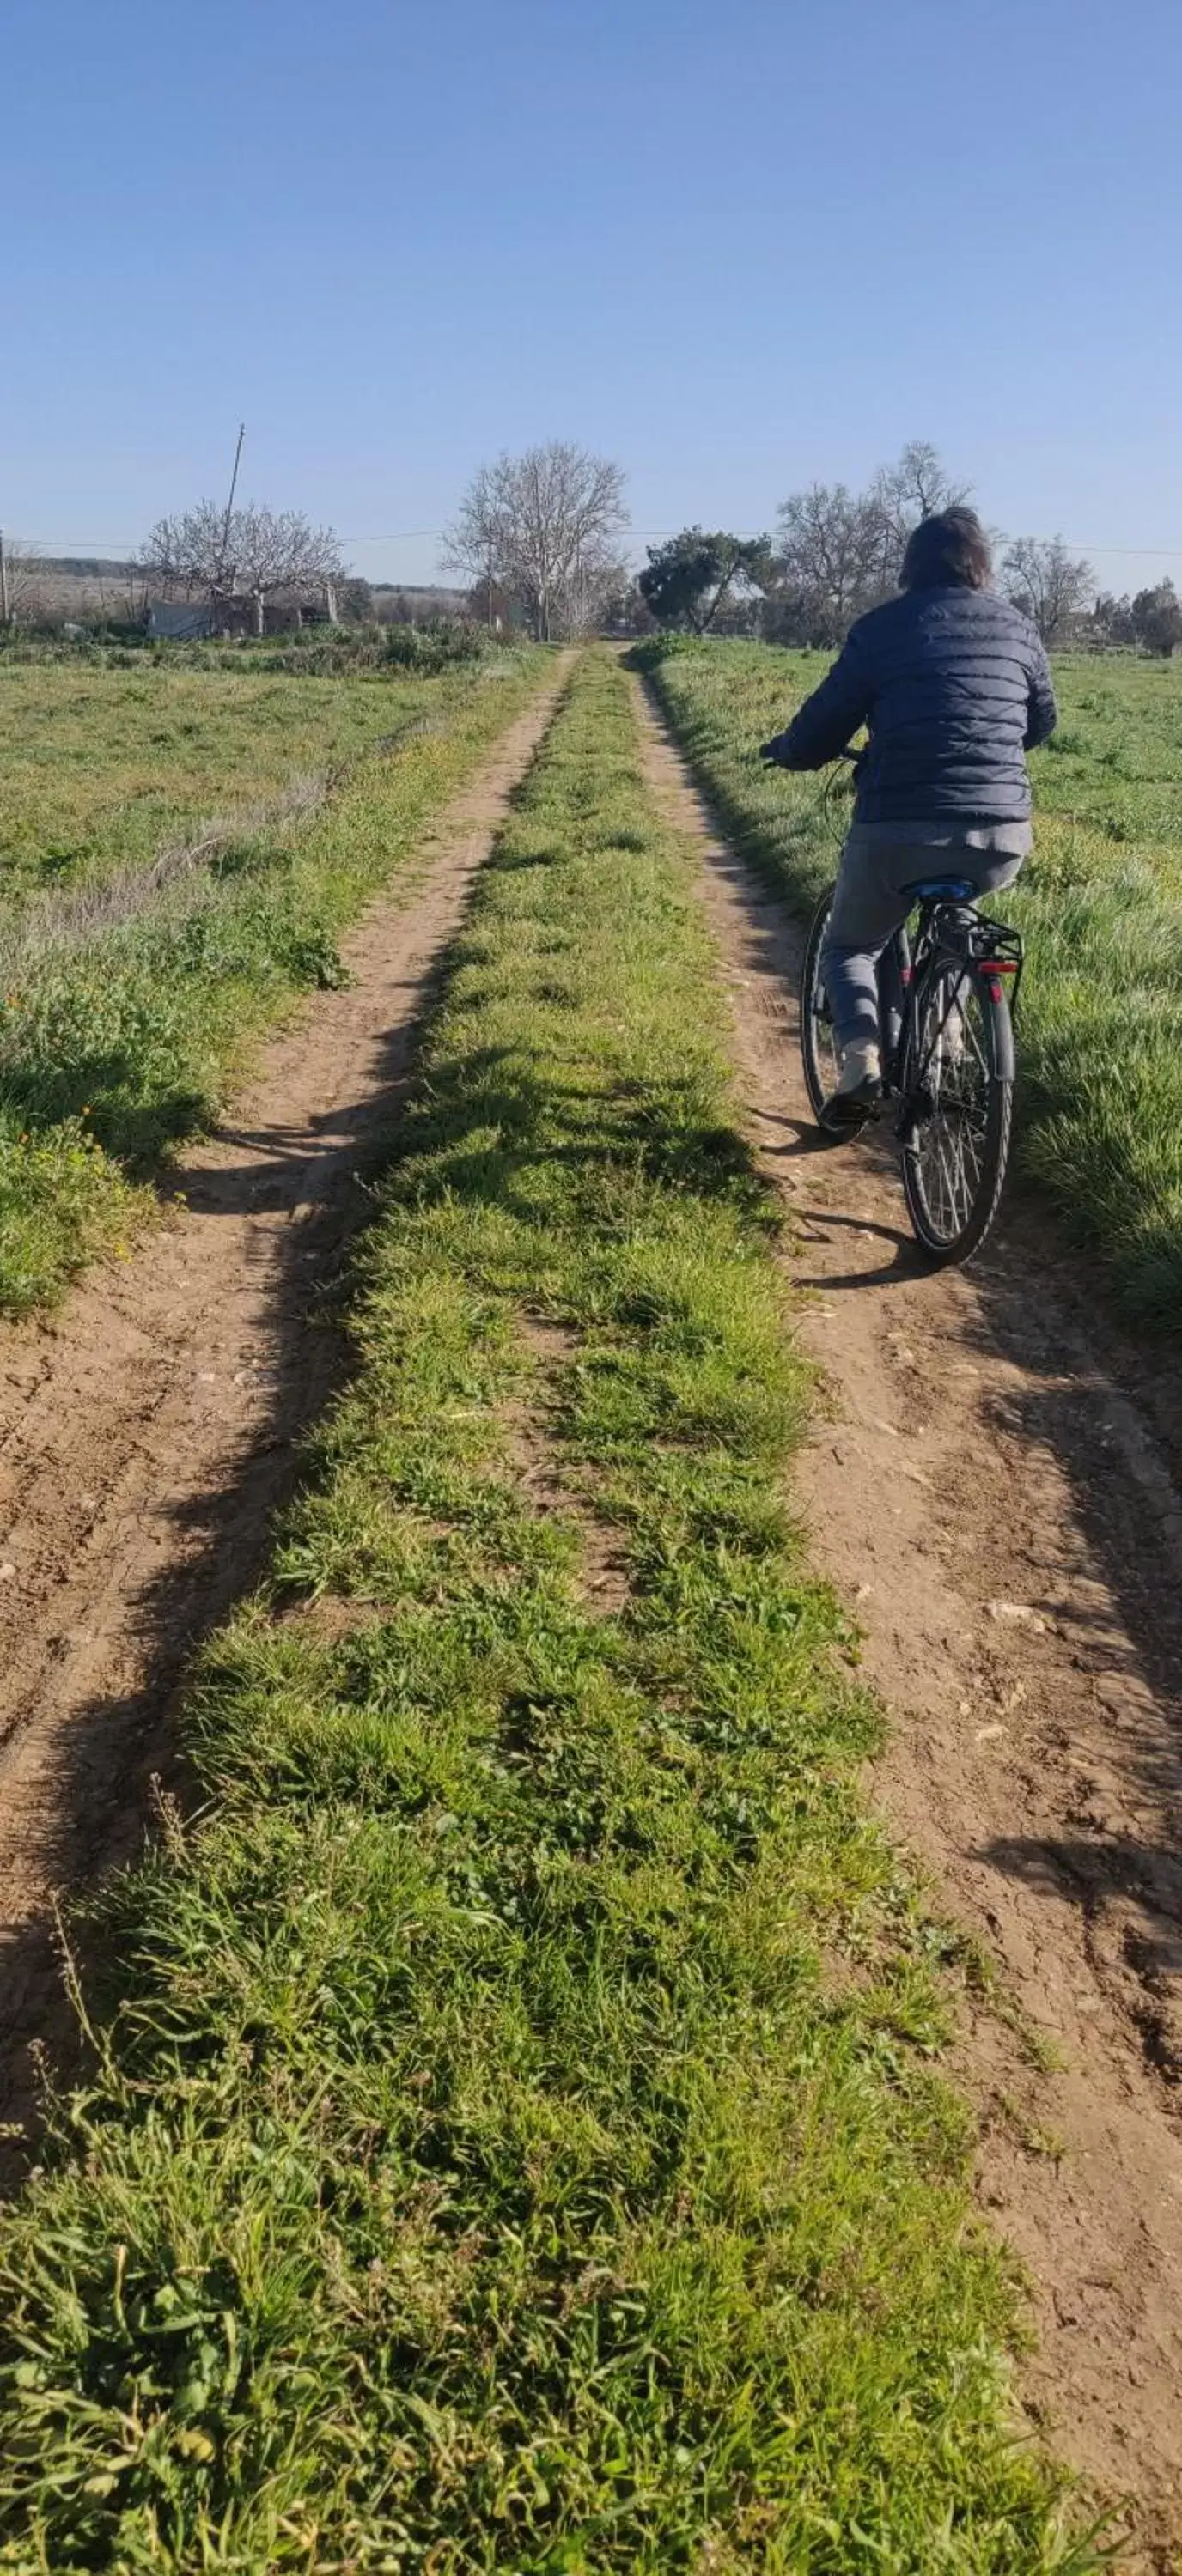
column 989, row 1734
column 1017, row 1614
column 7, row 1572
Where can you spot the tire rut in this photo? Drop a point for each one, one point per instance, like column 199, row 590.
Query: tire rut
column 993, row 1487
column 149, row 1433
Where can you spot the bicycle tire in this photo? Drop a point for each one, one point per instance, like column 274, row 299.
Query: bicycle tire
column 944, row 1242
column 820, row 1075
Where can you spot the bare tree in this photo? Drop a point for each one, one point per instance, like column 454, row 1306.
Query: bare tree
column 23, row 576
column 913, row 489
column 253, row 554
column 841, row 551
column 1051, row 587
column 830, row 560
column 904, row 493
column 183, row 555
column 544, row 527
column 277, row 550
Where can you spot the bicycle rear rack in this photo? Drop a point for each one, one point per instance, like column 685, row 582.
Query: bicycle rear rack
column 969, row 937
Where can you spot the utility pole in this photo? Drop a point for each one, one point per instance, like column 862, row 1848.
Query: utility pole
column 3, row 582
column 230, row 505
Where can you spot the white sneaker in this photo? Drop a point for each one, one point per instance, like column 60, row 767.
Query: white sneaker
column 859, row 1088
column 860, row 1065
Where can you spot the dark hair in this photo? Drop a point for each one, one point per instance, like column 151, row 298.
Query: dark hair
column 951, row 546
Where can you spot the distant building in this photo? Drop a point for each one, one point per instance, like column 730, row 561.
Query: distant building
column 178, row 621
column 233, row 613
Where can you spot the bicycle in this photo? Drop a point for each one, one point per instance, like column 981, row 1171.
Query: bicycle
column 946, row 1032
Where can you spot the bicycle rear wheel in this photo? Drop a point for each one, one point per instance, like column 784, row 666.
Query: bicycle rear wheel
column 819, row 1055
column 958, row 1112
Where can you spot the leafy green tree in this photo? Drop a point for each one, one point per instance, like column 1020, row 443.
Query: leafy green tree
column 688, row 581
column 355, row 602
column 1157, row 619
column 1111, row 622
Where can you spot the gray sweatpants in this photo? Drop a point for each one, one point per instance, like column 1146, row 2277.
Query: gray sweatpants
column 870, row 904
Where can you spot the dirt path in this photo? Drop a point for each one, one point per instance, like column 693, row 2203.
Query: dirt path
column 1000, row 1509
column 147, row 1436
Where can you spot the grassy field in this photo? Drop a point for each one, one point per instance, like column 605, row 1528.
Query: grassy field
column 516, row 2140
column 1100, row 904
column 99, row 766
column 131, row 980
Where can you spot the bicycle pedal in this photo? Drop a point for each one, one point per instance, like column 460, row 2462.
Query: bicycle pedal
column 848, row 1112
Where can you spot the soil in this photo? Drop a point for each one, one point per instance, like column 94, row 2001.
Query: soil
column 993, row 1485
column 149, row 1434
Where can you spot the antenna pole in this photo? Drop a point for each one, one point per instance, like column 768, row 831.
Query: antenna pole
column 230, row 503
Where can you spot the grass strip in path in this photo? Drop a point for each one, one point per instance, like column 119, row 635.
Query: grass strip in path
column 1100, row 904
column 516, row 2140
column 114, row 1049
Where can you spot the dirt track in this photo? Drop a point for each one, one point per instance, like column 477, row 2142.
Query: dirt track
column 994, row 1490
column 987, row 1492
column 147, row 1438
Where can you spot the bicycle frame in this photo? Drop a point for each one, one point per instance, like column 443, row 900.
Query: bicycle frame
column 949, row 936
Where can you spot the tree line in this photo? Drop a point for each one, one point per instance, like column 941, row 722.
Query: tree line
column 540, row 540
column 838, row 553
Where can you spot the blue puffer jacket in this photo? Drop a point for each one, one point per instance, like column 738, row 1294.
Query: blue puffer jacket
column 955, row 687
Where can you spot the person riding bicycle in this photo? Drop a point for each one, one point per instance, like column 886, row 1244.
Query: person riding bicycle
column 954, row 687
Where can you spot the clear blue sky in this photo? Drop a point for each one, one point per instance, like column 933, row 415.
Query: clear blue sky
column 736, row 244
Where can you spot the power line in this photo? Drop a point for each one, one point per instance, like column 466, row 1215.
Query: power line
column 408, row 536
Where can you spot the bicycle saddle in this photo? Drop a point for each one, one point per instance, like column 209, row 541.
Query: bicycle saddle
column 941, row 890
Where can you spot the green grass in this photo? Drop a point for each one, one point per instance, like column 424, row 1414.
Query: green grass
column 121, row 1028
column 1100, row 905
column 99, row 765
column 516, row 2140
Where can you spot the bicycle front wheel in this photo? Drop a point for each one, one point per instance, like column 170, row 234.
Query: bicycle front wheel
column 821, row 1067
column 958, row 1112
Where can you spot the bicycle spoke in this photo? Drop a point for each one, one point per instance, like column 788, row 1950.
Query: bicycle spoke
column 952, row 1133
column 959, row 1091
